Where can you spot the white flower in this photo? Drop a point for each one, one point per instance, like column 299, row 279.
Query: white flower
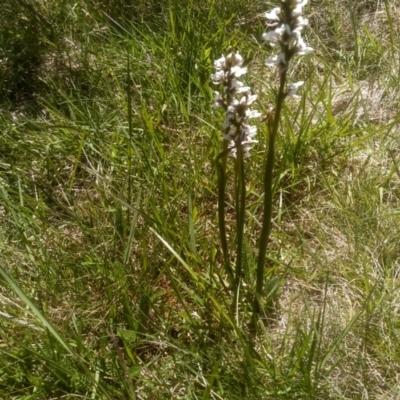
column 302, row 47
column 276, row 60
column 232, row 108
column 235, row 127
column 273, row 15
column 228, row 68
column 293, row 88
column 271, row 36
column 249, row 132
column 235, row 85
column 234, row 59
column 243, row 89
column 238, row 59
column 253, row 114
column 218, row 77
column 245, row 138
column 286, row 27
column 219, row 64
column 251, row 99
column 238, row 87
column 288, row 30
column 302, row 51
column 218, row 101
column 275, row 35
column 298, row 10
column 238, row 71
column 243, row 101
column 231, row 133
column 300, row 24
column 229, row 120
column 248, row 99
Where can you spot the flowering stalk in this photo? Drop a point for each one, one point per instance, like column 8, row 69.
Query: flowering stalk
column 238, row 136
column 240, row 191
column 284, row 26
column 221, row 168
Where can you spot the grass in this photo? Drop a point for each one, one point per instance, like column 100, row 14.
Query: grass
column 112, row 280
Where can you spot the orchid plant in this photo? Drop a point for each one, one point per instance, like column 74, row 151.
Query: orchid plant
column 238, row 135
column 283, row 30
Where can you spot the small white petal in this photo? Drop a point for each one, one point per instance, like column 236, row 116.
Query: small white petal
column 234, row 60
column 281, row 58
column 301, row 47
column 243, row 89
column 272, row 61
column 231, row 134
column 297, row 84
column 238, row 71
column 238, row 87
column 251, row 99
column 275, row 35
column 273, row 15
column 299, row 40
column 248, row 131
column 301, row 23
column 235, row 84
column 218, row 101
column 271, row 36
column 253, row 114
column 232, row 106
column 238, row 60
column 293, row 88
column 230, row 117
column 302, row 51
column 276, row 60
column 219, row 63
column 218, row 76
column 298, row 10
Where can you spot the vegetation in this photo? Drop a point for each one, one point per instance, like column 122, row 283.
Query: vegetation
column 112, row 276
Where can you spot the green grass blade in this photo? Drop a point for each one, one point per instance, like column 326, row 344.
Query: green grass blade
column 34, row 309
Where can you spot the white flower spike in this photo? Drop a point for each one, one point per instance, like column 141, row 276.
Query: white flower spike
column 237, row 130
column 284, row 27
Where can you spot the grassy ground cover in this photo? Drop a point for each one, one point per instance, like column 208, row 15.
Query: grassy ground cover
column 112, row 285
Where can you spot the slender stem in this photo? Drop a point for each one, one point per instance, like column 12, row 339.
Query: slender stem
column 221, row 167
column 268, row 194
column 240, row 218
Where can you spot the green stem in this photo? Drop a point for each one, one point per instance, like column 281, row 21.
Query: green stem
column 221, row 167
column 240, row 217
column 268, row 196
